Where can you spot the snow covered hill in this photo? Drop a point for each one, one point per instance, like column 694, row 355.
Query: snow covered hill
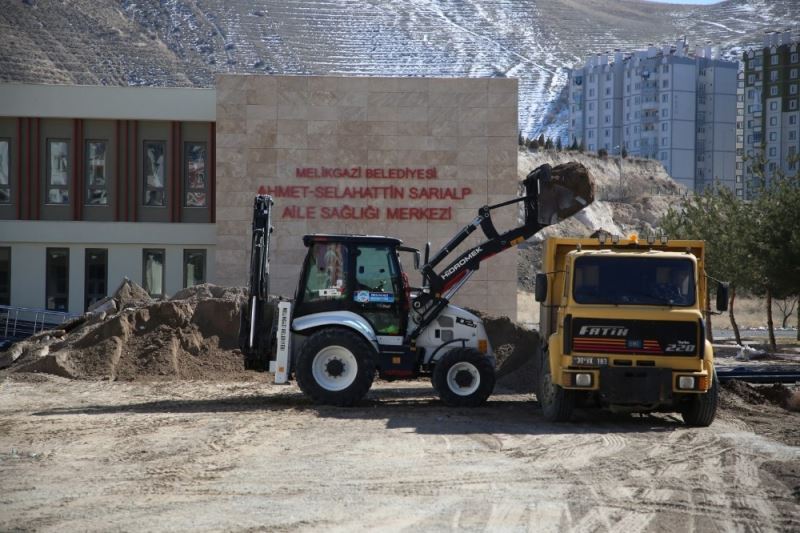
column 183, row 42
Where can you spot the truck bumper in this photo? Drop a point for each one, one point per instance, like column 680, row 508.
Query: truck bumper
column 636, row 385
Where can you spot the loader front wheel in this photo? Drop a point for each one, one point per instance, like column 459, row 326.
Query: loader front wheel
column 557, row 403
column 335, row 367
column 463, row 377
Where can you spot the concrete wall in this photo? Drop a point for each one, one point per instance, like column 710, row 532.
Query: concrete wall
column 278, row 131
column 29, row 241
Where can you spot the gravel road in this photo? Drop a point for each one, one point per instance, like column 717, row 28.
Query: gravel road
column 203, row 456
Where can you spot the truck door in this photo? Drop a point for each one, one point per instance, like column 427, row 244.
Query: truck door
column 324, row 282
column 378, row 290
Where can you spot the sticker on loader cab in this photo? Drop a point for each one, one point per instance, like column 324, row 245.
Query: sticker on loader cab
column 364, row 297
column 327, row 293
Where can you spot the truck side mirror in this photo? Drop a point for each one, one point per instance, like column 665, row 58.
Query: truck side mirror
column 722, row 296
column 541, row 287
column 416, row 259
column 427, row 252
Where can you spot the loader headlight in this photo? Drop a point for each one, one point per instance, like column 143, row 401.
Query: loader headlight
column 686, row 382
column 583, row 380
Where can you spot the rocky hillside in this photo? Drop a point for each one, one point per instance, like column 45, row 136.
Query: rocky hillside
column 184, row 42
column 632, row 196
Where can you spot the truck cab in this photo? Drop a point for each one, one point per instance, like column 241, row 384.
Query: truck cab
column 623, row 328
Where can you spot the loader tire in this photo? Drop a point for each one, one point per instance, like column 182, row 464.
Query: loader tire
column 463, row 377
column 701, row 410
column 557, row 403
column 335, row 367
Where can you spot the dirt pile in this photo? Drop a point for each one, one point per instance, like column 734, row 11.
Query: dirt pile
column 129, row 336
column 516, row 348
column 776, row 394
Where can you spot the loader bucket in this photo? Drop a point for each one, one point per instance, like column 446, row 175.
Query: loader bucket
column 563, row 191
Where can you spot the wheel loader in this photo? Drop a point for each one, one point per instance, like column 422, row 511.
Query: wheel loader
column 354, row 312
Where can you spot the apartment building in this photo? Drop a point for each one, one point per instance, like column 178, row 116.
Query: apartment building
column 771, row 111
column 660, row 103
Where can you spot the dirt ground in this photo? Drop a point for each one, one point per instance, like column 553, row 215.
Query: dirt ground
column 233, row 456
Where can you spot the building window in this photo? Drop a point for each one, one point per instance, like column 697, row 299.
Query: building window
column 608, row 91
column 591, row 134
column 194, row 267
column 772, row 152
column 773, row 106
column 608, row 105
column 607, row 133
column 664, row 113
column 57, row 171
column 154, row 153
column 665, row 69
column 591, row 106
column 773, row 76
column 793, row 74
column 793, row 119
column 591, row 92
column 607, row 119
column 794, row 58
column 664, row 126
column 793, row 89
column 196, row 178
column 664, row 141
column 663, row 156
column 96, row 178
column 664, row 98
column 792, row 135
column 5, row 276
column 773, row 121
column 5, row 171
column 751, row 79
column 773, row 91
column 773, row 136
column 96, row 269
column 665, row 84
column 57, row 279
column 591, row 148
column 792, row 105
column 153, row 262
column 774, row 59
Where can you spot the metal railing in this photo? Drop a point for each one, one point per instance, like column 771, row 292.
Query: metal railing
column 17, row 323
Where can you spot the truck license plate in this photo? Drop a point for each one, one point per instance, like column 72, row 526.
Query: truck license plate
column 580, row 360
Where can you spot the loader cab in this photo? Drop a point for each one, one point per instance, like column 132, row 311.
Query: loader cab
column 358, row 273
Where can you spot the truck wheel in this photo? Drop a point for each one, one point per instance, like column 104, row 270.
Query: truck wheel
column 335, row 367
column 557, row 403
column 463, row 377
column 701, row 410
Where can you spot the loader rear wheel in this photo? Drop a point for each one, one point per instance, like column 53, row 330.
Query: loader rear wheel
column 557, row 403
column 335, row 367
column 463, row 377
column 701, row 410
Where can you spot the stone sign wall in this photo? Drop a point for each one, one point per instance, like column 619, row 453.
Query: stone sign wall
column 408, row 157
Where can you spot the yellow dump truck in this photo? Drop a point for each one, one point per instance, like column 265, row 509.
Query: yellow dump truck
column 622, row 328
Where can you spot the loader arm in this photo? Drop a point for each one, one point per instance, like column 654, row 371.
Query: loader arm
column 544, row 203
column 256, row 322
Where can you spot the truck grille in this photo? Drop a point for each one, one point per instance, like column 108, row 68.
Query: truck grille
column 634, row 337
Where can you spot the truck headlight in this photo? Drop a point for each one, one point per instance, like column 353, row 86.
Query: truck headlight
column 583, row 380
column 686, row 382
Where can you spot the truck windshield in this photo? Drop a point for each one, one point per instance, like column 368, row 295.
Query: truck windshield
column 634, row 281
